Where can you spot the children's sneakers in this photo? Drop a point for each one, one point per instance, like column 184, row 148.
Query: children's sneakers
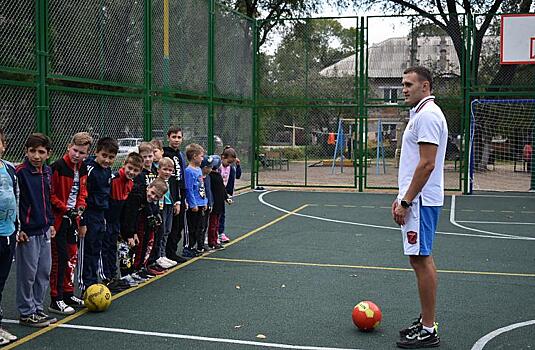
column 59, row 307
column 224, row 238
column 73, row 301
column 414, row 327
column 50, row 319
column 7, row 336
column 189, row 253
column 421, row 339
column 165, row 263
column 33, row 320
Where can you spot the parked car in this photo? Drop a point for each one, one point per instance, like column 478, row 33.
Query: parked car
column 128, row 144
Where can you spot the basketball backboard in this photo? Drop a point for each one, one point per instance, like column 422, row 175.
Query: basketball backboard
column 517, row 42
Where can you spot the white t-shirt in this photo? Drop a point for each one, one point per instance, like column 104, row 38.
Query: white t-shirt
column 426, row 124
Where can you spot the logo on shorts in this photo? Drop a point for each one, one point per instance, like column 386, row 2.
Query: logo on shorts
column 411, row 237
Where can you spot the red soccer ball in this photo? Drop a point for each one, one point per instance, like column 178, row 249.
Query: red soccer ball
column 366, row 315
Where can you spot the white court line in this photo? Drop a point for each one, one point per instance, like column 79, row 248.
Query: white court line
column 500, row 196
column 453, row 222
column 480, row 344
column 194, row 337
column 261, row 199
column 495, row 222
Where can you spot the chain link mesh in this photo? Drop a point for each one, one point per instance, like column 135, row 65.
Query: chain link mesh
column 233, row 55
column 17, row 118
column 192, row 118
column 100, row 115
column 17, row 33
column 186, row 68
column 233, row 127
column 101, row 40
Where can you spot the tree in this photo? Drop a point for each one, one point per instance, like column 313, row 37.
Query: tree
column 271, row 11
column 448, row 20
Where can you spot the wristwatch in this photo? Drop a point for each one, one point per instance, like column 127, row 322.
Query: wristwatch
column 405, row 204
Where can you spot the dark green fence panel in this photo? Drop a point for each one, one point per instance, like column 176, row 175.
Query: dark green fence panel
column 17, row 35
column 97, row 39
column 17, row 118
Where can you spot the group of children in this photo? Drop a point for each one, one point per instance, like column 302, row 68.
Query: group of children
column 78, row 216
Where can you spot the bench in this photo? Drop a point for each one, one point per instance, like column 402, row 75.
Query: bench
column 274, row 159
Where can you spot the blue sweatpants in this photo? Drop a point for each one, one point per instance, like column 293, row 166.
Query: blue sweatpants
column 91, row 246
column 109, row 249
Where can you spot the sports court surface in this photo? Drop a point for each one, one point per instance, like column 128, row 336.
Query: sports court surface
column 300, row 261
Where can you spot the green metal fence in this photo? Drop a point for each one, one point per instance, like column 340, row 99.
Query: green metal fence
column 127, row 69
column 315, row 102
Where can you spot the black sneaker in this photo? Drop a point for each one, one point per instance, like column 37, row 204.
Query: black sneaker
column 414, row 327
column 33, row 320
column 61, row 308
column 45, row 317
column 74, row 301
column 178, row 259
column 422, row 339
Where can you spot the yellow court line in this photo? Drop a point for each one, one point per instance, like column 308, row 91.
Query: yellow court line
column 363, row 267
column 130, row 290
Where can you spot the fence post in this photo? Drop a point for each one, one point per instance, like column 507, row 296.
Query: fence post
column 467, row 79
column 147, row 65
column 43, row 107
column 211, row 76
column 255, row 145
column 362, row 110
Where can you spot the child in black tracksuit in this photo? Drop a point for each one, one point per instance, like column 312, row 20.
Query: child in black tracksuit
column 121, row 186
column 220, row 196
column 98, row 198
column 140, row 220
column 177, row 185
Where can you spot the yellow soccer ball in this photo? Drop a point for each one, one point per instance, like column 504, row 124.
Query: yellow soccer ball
column 97, row 298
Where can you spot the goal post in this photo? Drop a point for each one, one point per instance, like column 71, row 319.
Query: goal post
column 501, row 145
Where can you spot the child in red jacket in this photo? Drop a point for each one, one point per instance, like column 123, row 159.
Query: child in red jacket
column 68, row 194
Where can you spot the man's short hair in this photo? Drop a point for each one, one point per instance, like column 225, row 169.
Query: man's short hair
column 173, row 130
column 145, row 147
column 423, row 74
column 82, row 139
column 192, row 150
column 38, row 139
column 107, row 144
column 135, row 159
column 159, row 185
column 166, row 161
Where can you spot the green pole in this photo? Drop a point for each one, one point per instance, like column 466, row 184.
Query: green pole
column 165, row 67
column 362, row 110
column 307, row 109
column 356, row 93
column 255, row 146
column 43, row 108
column 147, row 99
column 532, row 161
column 466, row 80
column 211, row 76
column 101, row 122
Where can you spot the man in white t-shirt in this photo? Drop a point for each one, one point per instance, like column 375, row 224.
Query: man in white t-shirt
column 421, row 195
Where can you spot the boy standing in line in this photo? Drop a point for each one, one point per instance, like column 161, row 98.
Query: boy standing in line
column 98, row 188
column 158, row 151
column 174, row 137
column 196, row 201
column 220, row 196
column 33, row 257
column 168, row 207
column 69, row 176
column 122, row 183
column 9, row 222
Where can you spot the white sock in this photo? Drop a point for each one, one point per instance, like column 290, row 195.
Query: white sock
column 429, row 329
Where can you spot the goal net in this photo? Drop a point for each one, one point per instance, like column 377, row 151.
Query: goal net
column 501, row 144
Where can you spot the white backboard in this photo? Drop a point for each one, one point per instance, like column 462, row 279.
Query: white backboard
column 517, row 42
